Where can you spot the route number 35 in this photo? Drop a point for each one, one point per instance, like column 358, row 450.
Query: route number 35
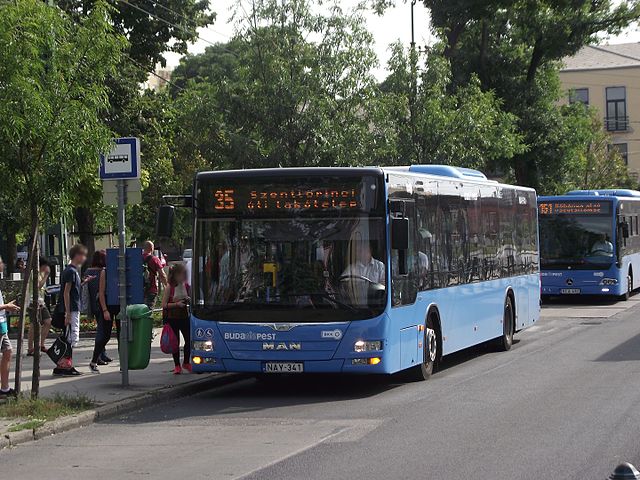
column 224, row 200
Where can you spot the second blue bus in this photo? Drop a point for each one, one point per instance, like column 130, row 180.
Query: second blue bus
column 590, row 243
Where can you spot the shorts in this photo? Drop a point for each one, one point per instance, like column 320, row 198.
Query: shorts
column 5, row 344
column 44, row 313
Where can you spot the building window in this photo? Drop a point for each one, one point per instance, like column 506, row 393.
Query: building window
column 622, row 150
column 580, row 95
column 616, row 119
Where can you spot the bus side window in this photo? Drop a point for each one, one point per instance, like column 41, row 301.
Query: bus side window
column 427, row 235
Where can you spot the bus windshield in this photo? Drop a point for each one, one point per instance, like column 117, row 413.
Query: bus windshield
column 578, row 241
column 275, row 269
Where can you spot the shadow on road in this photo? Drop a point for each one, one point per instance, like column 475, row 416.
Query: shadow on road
column 625, row 352
column 252, row 395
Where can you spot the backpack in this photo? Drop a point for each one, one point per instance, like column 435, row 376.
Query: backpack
column 146, row 273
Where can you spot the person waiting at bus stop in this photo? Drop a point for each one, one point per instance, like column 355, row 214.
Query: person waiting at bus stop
column 175, row 311
column 45, row 317
column 103, row 313
column 156, row 272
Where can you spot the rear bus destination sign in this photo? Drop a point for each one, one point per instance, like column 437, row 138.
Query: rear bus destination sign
column 249, row 199
column 575, row 208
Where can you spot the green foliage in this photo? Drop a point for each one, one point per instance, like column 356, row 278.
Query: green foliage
column 152, row 28
column 297, row 90
column 34, row 412
column 430, row 124
column 513, row 47
column 53, row 71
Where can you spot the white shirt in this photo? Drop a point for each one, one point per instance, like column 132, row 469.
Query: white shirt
column 374, row 270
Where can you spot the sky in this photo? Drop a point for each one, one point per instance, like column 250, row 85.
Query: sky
column 394, row 25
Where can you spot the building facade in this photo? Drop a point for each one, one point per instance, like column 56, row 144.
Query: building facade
column 607, row 77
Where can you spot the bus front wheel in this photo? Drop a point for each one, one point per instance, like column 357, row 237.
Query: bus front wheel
column 627, row 294
column 430, row 351
column 505, row 342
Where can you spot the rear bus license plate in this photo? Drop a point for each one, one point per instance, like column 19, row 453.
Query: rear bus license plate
column 283, row 367
column 570, row 291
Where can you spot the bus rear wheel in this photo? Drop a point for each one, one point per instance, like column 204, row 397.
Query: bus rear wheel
column 505, row 342
column 430, row 352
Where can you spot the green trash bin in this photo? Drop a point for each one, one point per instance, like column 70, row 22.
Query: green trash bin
column 140, row 343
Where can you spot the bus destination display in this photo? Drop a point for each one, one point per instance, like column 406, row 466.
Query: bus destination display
column 254, row 198
column 574, row 208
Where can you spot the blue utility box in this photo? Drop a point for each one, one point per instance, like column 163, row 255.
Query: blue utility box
column 135, row 287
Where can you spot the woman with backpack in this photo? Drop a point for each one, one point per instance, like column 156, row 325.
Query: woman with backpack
column 103, row 313
column 175, row 310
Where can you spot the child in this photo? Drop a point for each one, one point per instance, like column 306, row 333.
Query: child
column 45, row 316
column 5, row 344
column 175, row 308
column 69, row 304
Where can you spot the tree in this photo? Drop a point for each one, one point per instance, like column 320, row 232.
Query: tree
column 300, row 92
column 429, row 124
column 596, row 164
column 152, row 28
column 514, row 47
column 53, row 71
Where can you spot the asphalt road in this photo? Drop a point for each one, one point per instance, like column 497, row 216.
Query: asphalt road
column 564, row 403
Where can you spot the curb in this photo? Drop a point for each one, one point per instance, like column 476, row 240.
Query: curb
column 83, row 419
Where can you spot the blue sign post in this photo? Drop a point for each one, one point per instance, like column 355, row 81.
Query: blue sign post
column 121, row 164
column 134, row 277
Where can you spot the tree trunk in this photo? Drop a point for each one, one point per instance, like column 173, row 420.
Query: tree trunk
column 85, row 223
column 12, row 251
column 31, row 260
column 35, row 317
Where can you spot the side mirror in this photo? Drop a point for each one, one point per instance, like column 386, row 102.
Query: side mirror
column 399, row 233
column 164, row 221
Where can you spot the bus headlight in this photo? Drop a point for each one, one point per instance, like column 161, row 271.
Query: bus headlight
column 608, row 281
column 202, row 345
column 362, row 346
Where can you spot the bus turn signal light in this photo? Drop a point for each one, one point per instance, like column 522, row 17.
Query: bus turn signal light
column 374, row 361
column 197, row 360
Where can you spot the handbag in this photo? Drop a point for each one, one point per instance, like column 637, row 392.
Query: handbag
column 57, row 320
column 61, row 348
column 168, row 341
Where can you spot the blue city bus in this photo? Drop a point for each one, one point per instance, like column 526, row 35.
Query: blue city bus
column 291, row 268
column 590, row 243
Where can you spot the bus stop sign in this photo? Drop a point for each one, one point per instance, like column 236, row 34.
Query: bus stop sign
column 123, row 161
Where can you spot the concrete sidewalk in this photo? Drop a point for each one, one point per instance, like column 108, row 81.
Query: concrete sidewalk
column 155, row 384
column 104, row 387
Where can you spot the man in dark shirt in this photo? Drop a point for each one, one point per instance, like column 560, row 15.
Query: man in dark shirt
column 69, row 303
column 155, row 271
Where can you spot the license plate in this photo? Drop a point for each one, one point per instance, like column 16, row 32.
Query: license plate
column 570, row 291
column 283, row 367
